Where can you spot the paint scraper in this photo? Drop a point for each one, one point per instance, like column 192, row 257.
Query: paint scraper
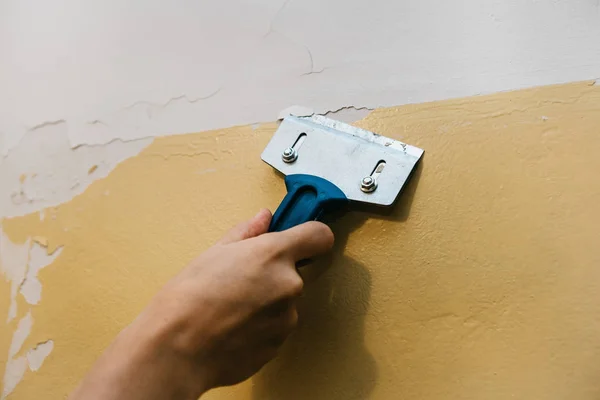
column 330, row 166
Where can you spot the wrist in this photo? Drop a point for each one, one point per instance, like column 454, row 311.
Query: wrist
column 152, row 343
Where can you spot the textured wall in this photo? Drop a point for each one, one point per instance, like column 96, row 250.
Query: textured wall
column 483, row 283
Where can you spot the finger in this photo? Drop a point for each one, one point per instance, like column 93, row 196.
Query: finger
column 256, row 226
column 305, row 241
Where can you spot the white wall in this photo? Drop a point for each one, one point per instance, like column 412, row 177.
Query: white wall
column 107, row 76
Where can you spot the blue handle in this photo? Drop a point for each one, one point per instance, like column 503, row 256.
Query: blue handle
column 309, row 198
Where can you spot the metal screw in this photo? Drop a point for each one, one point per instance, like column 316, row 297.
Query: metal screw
column 289, row 155
column 368, row 184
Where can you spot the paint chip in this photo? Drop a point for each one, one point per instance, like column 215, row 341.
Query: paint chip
column 92, row 169
column 21, row 333
column 544, row 118
column 15, row 369
column 13, row 264
column 37, row 355
column 39, row 258
column 296, row 111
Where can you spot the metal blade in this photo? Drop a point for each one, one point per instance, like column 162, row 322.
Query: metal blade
column 344, row 155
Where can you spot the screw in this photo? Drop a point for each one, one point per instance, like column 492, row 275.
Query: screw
column 289, row 155
column 368, row 184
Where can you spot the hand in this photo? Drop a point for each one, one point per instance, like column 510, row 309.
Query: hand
column 217, row 322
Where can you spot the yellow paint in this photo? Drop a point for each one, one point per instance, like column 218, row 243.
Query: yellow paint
column 484, row 283
column 92, row 169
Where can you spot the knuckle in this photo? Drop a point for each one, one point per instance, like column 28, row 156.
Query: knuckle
column 294, row 285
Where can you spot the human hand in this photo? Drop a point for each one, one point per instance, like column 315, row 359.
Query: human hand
column 219, row 320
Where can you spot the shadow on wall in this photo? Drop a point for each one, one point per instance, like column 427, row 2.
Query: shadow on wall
column 326, row 358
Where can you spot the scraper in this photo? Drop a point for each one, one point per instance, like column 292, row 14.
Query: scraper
column 330, row 166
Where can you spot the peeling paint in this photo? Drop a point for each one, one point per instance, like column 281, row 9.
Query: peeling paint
column 23, row 330
column 37, row 355
column 349, row 114
column 441, row 278
column 13, row 264
column 346, row 114
column 296, row 111
column 15, row 370
column 56, row 172
column 31, row 288
column 34, row 358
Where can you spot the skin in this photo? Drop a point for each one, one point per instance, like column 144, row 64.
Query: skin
column 217, row 323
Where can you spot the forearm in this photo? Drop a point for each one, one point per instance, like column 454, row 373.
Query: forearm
column 141, row 364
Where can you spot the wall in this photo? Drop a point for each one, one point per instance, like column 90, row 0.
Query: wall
column 106, row 77
column 88, row 86
column 483, row 283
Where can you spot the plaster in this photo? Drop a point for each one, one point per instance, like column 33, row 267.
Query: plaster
column 31, row 288
column 15, row 367
column 482, row 283
column 13, row 264
column 37, row 355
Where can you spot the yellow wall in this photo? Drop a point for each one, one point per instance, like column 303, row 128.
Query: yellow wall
column 484, row 283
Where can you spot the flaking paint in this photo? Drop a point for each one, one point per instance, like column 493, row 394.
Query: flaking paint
column 482, row 283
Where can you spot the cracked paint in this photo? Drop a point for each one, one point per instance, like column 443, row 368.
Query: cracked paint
column 347, row 114
column 381, row 54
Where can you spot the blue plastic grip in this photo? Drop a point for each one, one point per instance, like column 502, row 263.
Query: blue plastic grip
column 309, row 198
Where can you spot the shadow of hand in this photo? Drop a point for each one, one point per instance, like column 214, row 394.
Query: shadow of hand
column 326, row 357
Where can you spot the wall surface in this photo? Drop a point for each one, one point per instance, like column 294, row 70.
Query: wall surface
column 105, row 77
column 483, row 283
column 431, row 302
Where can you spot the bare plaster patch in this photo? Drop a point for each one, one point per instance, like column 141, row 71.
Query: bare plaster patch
column 15, row 370
column 34, row 358
column 23, row 330
column 31, row 288
column 13, row 264
column 53, row 171
column 37, row 355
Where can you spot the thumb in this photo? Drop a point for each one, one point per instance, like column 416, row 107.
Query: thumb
column 305, row 241
column 256, row 226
